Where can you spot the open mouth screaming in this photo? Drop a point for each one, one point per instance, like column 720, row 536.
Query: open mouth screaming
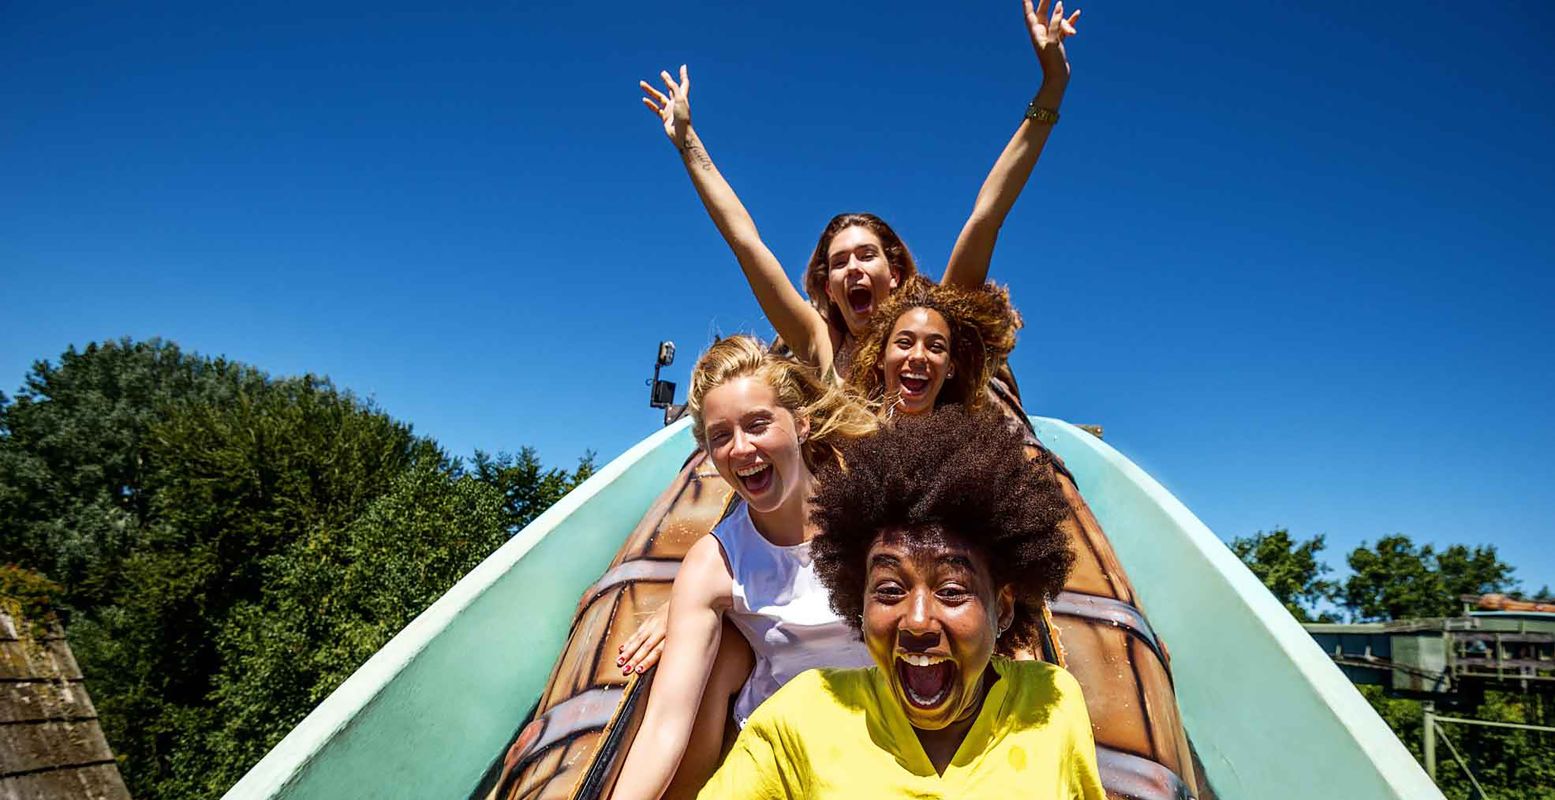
column 914, row 384
column 861, row 300
column 756, row 478
column 926, row 679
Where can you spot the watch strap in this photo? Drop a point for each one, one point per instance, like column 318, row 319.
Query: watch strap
column 1037, row 113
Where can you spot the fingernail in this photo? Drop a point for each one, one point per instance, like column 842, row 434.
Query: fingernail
column 620, row 661
column 639, row 669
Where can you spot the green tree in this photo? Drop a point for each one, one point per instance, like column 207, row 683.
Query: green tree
column 1292, row 570
column 527, row 487
column 334, row 598
column 230, row 485
column 231, row 546
column 28, row 598
column 73, row 456
column 1394, row 579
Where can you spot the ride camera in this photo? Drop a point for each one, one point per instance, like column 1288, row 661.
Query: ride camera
column 662, row 393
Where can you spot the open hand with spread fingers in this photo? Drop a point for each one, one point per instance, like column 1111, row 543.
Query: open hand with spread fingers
column 1047, row 37
column 673, row 110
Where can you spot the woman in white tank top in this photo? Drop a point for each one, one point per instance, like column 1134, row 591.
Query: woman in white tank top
column 765, row 422
column 783, row 610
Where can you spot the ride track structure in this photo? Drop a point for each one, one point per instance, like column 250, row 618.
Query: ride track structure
column 1268, row 712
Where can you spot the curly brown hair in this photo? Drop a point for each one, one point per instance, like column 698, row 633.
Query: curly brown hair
column 896, row 254
column 957, row 473
column 982, row 334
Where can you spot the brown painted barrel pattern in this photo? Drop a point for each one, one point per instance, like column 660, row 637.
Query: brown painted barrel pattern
column 589, row 711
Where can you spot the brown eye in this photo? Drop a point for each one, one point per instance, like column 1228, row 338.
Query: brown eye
column 953, row 593
column 888, row 591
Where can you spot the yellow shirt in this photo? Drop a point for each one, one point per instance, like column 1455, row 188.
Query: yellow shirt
column 840, row 733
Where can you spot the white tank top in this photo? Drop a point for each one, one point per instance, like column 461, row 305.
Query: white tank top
column 783, row 610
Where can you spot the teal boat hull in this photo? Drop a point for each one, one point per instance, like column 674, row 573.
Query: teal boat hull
column 1269, row 714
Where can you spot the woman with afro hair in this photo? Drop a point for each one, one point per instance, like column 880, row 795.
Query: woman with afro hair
column 935, row 536
column 933, row 345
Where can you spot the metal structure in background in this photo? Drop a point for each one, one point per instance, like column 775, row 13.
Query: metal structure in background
column 661, row 394
column 1447, row 659
column 1498, row 644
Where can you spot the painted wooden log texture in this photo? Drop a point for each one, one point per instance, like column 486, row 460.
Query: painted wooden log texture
column 574, row 743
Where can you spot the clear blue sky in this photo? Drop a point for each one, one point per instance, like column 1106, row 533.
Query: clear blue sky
column 1296, row 259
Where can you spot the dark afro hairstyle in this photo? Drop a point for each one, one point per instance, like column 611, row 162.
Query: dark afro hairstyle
column 982, row 332
column 954, row 472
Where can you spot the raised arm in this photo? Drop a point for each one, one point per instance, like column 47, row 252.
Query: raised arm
column 800, row 325
column 701, row 592
column 970, row 258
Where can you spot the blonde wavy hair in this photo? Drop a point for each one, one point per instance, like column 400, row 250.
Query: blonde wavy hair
column 982, row 333
column 835, row 416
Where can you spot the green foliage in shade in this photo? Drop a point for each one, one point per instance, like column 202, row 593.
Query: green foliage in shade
column 28, row 598
column 1395, row 579
column 1291, row 570
column 232, row 546
column 1509, row 764
column 73, row 459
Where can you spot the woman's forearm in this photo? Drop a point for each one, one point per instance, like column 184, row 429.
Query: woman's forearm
column 701, row 591
column 672, row 703
column 973, row 251
column 790, row 314
column 718, row 197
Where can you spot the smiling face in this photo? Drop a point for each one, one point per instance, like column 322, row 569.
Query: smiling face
column 917, row 360
column 754, row 443
column 859, row 277
column 931, row 617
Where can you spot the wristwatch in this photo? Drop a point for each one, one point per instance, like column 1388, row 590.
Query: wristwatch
column 1037, row 113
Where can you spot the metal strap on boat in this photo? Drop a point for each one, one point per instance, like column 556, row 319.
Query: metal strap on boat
column 642, row 569
column 1139, row 778
column 1112, row 612
column 582, row 713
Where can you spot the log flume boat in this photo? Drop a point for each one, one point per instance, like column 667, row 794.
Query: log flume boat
column 506, row 687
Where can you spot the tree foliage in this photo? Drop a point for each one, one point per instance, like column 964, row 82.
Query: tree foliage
column 1291, row 570
column 1395, row 579
column 232, row 546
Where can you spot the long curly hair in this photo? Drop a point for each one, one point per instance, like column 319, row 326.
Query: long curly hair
column 835, row 416
column 952, row 473
column 896, row 255
column 982, row 334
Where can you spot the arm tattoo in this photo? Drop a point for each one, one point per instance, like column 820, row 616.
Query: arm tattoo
column 696, row 155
